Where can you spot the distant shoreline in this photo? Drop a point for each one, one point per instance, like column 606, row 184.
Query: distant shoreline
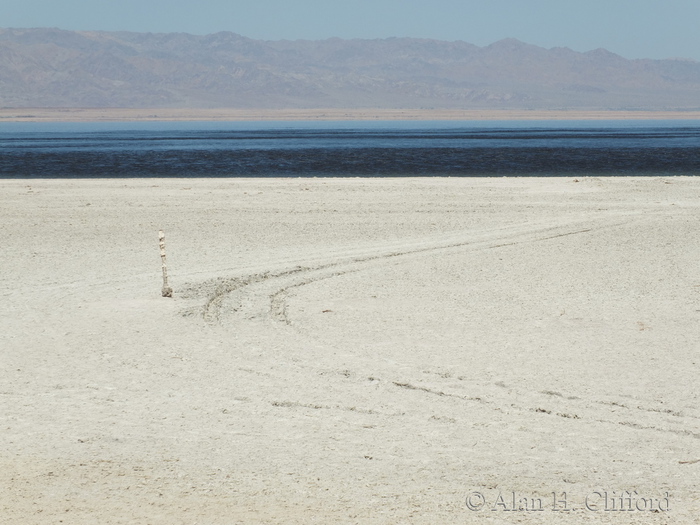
column 228, row 114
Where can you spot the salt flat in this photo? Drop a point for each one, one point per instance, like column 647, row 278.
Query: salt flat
column 350, row 350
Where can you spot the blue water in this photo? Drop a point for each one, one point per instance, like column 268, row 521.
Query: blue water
column 333, row 149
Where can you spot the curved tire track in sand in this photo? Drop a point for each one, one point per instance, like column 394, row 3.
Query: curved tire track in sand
column 262, row 293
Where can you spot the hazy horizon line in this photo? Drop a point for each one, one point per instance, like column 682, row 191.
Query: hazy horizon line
column 426, row 39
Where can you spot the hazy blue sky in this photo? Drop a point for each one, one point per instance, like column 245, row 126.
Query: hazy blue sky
column 631, row 28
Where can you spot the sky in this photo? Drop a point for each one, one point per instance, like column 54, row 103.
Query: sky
column 631, row 28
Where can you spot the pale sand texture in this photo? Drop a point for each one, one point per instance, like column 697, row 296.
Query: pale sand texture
column 347, row 351
column 231, row 114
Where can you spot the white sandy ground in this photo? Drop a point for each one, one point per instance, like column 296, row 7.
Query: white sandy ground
column 348, row 351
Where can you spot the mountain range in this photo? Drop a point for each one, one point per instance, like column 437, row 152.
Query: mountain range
column 57, row 68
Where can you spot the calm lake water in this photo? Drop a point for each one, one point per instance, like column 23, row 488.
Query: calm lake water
column 338, row 149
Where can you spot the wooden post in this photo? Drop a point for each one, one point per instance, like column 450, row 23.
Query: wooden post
column 167, row 291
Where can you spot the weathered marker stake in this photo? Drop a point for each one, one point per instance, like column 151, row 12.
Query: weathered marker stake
column 167, row 291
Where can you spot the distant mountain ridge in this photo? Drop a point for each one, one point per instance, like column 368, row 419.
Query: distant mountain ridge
column 56, row 68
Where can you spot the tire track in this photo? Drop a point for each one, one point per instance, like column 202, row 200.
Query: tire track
column 262, row 294
column 575, row 408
